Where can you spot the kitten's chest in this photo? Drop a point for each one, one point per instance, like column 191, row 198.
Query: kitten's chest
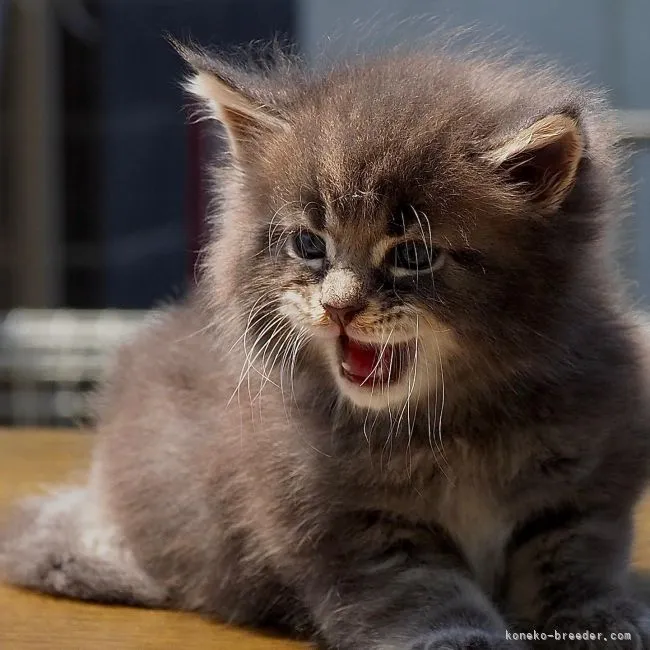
column 479, row 521
column 469, row 498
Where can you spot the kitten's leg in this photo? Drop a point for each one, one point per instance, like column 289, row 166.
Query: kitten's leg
column 402, row 598
column 568, row 573
column 64, row 544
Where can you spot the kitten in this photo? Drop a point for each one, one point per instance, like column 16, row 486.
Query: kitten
column 407, row 406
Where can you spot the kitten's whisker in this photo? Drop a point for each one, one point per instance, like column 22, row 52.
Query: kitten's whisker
column 302, row 338
column 283, row 368
column 390, row 413
column 429, row 242
column 365, row 420
column 286, row 352
column 438, row 415
column 282, row 240
column 273, row 226
column 442, row 401
column 282, row 334
column 417, row 270
column 286, row 355
column 411, row 424
column 372, row 392
column 277, row 322
column 379, row 360
column 201, row 330
column 274, row 339
column 244, row 372
column 248, row 380
column 415, row 374
column 390, row 368
column 251, row 315
column 406, row 407
column 435, row 451
column 401, row 417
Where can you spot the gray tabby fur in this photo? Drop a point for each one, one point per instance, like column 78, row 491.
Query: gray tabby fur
column 236, row 473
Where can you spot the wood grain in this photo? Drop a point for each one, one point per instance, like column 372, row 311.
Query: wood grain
column 30, row 460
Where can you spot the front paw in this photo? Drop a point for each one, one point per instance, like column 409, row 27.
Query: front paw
column 462, row 639
column 619, row 624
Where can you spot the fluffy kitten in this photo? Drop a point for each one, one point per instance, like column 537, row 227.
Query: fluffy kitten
column 407, row 402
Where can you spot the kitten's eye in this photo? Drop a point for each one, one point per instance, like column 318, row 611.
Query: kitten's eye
column 415, row 256
column 309, row 245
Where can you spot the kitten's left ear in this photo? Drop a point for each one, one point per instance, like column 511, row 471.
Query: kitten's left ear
column 230, row 96
column 542, row 159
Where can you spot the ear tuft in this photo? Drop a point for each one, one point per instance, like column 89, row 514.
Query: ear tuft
column 229, row 97
column 542, row 159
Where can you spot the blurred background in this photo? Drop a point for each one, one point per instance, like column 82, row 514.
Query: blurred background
column 101, row 182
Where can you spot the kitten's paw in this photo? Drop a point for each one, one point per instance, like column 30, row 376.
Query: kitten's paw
column 618, row 625
column 466, row 640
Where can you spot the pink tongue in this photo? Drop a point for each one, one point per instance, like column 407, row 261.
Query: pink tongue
column 362, row 360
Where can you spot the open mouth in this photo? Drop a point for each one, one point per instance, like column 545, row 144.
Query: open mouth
column 367, row 365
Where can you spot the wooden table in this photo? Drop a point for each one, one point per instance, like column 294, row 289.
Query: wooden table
column 29, row 459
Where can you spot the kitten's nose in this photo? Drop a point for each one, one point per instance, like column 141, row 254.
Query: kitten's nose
column 342, row 315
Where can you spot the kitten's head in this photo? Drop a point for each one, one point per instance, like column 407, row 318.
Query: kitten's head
column 398, row 216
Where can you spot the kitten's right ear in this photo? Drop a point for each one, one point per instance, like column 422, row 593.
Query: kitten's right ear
column 224, row 92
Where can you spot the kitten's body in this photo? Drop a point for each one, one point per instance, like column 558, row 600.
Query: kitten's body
column 501, row 483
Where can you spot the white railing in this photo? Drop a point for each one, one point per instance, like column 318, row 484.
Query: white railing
column 51, row 359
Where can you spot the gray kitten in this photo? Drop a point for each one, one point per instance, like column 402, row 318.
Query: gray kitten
column 407, row 402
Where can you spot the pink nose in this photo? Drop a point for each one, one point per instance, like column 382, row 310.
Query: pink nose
column 342, row 315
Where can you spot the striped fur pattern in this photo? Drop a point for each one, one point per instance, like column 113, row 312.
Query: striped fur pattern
column 483, row 487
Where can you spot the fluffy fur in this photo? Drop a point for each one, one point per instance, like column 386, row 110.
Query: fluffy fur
column 239, row 473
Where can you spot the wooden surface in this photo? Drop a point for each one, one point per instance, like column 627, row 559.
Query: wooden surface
column 31, row 459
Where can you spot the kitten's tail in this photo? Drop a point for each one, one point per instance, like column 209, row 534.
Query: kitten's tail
column 61, row 544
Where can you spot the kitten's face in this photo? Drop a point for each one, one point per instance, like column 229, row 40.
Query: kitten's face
column 360, row 277
column 390, row 231
column 362, row 256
